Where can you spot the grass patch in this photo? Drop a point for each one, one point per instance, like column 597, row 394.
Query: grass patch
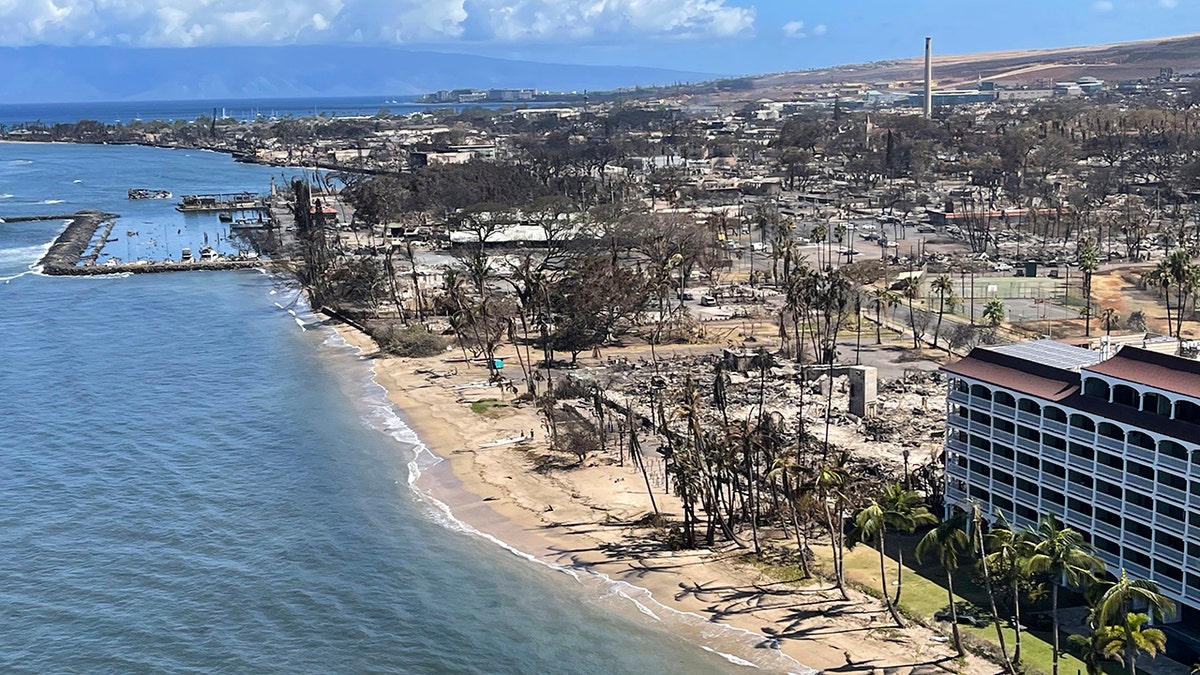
column 491, row 408
column 922, row 597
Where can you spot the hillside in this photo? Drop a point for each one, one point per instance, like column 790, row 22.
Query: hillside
column 1120, row 61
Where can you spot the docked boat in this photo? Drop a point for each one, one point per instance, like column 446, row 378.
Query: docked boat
column 208, row 254
column 240, row 201
column 225, row 217
column 185, row 256
column 145, row 193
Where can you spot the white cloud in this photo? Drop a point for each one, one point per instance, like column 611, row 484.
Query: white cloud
column 1168, row 4
column 1102, row 6
column 198, row 22
column 820, row 29
column 794, row 29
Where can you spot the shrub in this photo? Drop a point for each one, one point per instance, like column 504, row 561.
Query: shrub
column 407, row 341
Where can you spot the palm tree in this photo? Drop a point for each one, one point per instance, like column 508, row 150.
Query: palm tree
column 901, row 510
column 1062, row 554
column 1116, row 605
column 1008, row 550
column 943, row 286
column 946, row 541
column 831, row 481
column 910, row 289
column 1110, row 317
column 1129, row 638
column 1160, row 278
column 977, row 538
column 1089, row 261
column 882, row 298
column 1093, row 649
column 993, row 312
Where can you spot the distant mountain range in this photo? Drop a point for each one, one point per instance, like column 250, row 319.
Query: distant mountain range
column 69, row 74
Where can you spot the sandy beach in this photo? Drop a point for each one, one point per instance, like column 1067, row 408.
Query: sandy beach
column 585, row 518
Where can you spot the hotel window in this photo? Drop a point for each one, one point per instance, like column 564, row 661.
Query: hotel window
column 1186, row 411
column 1107, row 546
column 1171, row 480
column 1050, row 440
column 979, row 468
column 1111, row 431
column 1054, row 469
column 1055, row 414
column 1110, row 460
column 1106, row 516
column 1079, row 478
column 1137, row 557
column 981, row 417
column 1002, row 477
column 1026, row 432
column 1027, row 513
column 980, row 494
column 981, row 391
column 1083, row 422
column 1053, row 496
column 1139, row 469
column 1079, row 507
column 1002, row 503
column 1169, row 540
column 1156, row 404
column 1168, row 569
column 1123, row 394
column 1003, row 425
column 1096, row 388
column 1028, row 460
column 1170, row 511
column 1028, row 487
column 1138, row 499
column 1081, row 451
column 1026, row 405
column 1141, row 440
column 1193, row 581
column 1137, row 527
column 1173, row 449
column 1002, row 451
column 1106, row 488
column 1005, row 399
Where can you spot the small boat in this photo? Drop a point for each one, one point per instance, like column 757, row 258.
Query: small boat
column 207, row 254
column 225, row 217
column 185, row 256
column 145, row 193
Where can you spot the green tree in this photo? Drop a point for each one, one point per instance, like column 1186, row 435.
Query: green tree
column 1088, row 257
column 946, row 542
column 911, row 289
column 944, row 287
column 1115, row 606
column 1093, row 649
column 993, row 312
column 1110, row 318
column 896, row 509
column 1130, row 637
column 1061, row 554
column 882, row 298
column 1007, row 552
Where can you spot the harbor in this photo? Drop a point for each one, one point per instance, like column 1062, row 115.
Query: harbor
column 76, row 251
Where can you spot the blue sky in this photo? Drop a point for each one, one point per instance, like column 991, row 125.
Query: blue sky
column 715, row 36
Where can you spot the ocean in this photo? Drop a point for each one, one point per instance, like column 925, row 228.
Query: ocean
column 125, row 112
column 197, row 477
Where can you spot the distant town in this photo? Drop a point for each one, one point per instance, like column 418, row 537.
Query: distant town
column 980, row 298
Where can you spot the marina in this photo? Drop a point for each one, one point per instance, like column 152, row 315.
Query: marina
column 227, row 202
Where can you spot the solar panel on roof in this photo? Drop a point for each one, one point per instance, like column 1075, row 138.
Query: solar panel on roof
column 1051, row 353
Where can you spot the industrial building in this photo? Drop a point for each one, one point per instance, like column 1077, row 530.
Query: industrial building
column 1109, row 445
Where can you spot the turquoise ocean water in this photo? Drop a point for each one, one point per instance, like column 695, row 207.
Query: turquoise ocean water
column 194, row 480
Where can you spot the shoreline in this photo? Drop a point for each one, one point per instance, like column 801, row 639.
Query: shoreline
column 585, row 521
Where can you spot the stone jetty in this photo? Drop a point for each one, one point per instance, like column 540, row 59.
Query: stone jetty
column 71, row 247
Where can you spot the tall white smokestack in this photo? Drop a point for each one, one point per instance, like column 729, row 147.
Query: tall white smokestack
column 928, row 78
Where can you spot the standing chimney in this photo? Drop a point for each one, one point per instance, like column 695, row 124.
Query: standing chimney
column 928, row 79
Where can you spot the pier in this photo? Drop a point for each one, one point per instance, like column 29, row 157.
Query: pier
column 71, row 248
column 239, row 201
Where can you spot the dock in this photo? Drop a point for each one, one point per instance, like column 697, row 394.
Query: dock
column 235, row 201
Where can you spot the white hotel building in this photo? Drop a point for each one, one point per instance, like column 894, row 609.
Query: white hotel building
column 1112, row 447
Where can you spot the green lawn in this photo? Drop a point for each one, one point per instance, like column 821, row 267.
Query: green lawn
column 924, row 593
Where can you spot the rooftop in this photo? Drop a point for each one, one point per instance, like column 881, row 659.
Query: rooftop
column 1024, row 374
column 1163, row 371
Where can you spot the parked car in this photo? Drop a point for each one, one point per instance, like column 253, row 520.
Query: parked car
column 1002, row 267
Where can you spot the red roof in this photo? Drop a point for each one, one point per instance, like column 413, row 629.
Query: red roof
column 1154, row 369
column 1017, row 374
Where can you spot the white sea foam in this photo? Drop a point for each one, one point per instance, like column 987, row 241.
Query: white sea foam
column 6, row 195
column 23, row 254
column 52, row 201
column 384, row 416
